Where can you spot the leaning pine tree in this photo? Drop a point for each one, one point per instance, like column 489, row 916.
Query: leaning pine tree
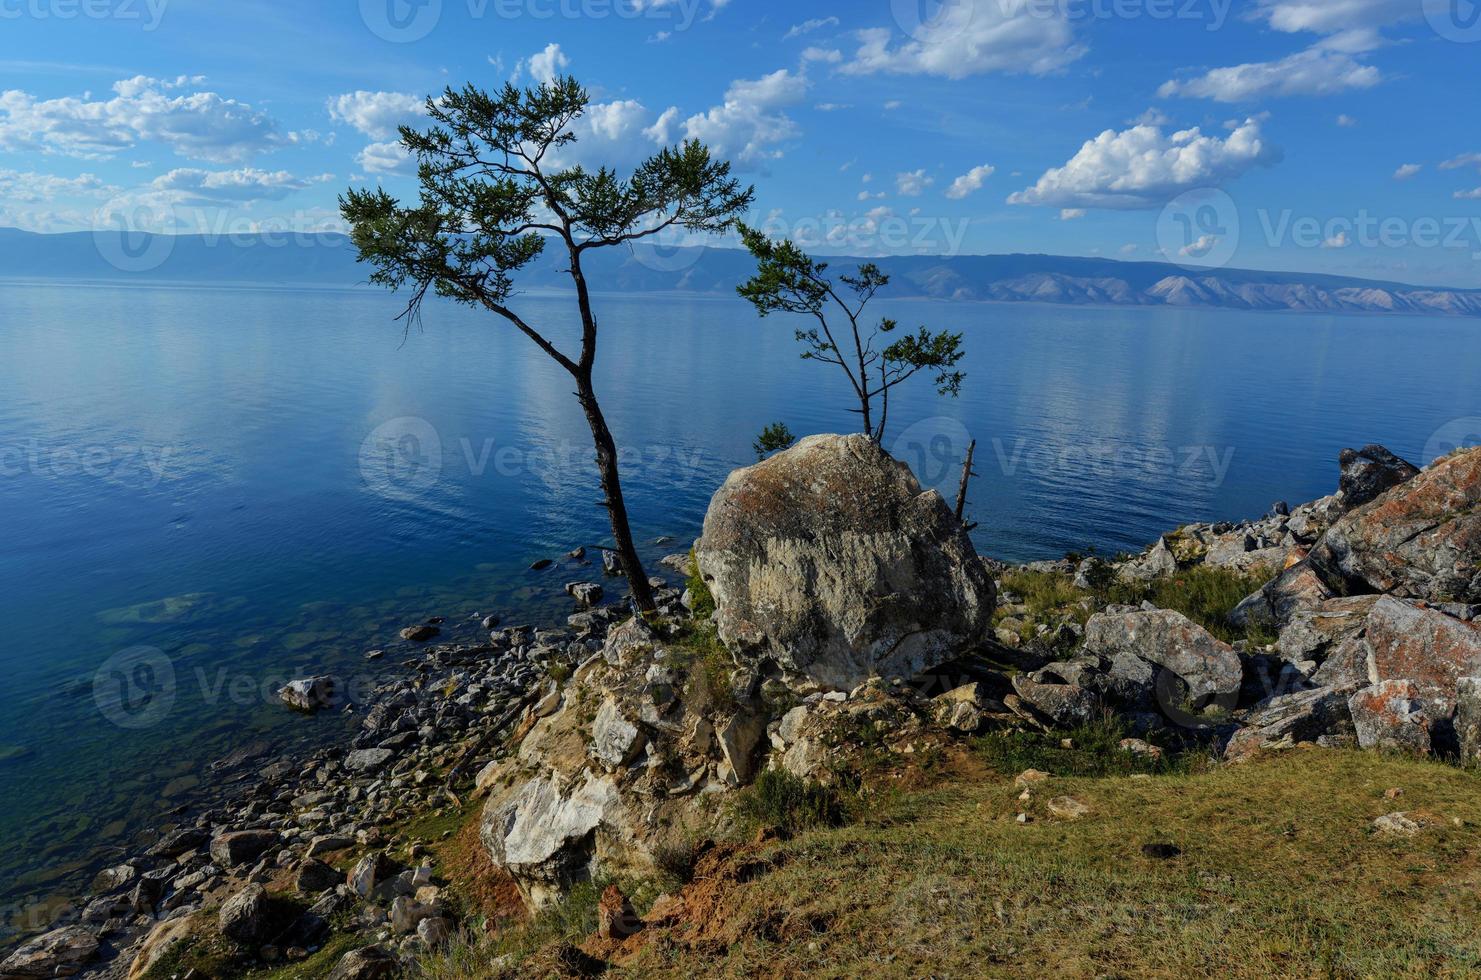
column 787, row 280
column 495, row 193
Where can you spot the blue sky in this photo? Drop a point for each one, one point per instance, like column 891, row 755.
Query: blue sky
column 1325, row 135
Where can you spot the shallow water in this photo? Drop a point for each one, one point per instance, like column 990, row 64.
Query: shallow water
column 206, row 491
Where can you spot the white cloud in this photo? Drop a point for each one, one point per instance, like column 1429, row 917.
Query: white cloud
column 1143, row 168
column 969, row 182
column 1407, row 170
column 1464, row 160
column 386, row 158
column 1339, row 240
column 832, row 106
column 749, row 125
column 1129, row 249
column 831, row 56
column 974, row 37
column 33, row 188
column 892, row 105
column 195, row 125
column 1471, row 195
column 189, row 187
column 544, row 65
column 1199, row 248
column 1335, row 16
column 1315, row 71
column 1071, row 214
column 662, row 130
column 913, row 183
column 808, row 26
column 377, row 114
column 1346, row 121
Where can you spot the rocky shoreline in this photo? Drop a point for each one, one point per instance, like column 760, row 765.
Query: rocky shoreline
column 295, row 812
column 837, row 611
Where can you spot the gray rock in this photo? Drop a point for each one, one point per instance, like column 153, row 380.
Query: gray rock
column 245, row 917
column 370, row 963
column 180, row 842
column 1297, row 589
column 1468, row 719
column 367, row 874
column 1419, row 540
column 586, row 593
column 434, row 931
column 1391, row 715
column 611, row 563
column 419, row 634
column 830, row 560
column 543, row 834
column 1209, row 667
column 59, row 953
column 242, row 847
column 308, row 694
column 1369, row 472
column 615, row 741
column 1065, row 705
column 1288, row 719
column 368, row 760
column 1429, row 648
column 314, row 877
column 738, row 737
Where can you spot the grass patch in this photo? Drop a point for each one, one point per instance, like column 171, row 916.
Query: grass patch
column 1205, row 594
column 1094, row 751
column 702, row 601
column 1280, row 875
column 788, row 804
column 707, row 666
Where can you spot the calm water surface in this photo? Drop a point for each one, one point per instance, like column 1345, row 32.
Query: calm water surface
column 205, row 491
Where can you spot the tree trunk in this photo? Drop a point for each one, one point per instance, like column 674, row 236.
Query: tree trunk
column 606, row 448
column 961, row 493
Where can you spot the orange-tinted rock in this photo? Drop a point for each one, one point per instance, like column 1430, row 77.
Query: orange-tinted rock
column 1391, row 715
column 1420, row 540
column 1428, row 648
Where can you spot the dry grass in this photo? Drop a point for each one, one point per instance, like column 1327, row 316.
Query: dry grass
column 1280, row 875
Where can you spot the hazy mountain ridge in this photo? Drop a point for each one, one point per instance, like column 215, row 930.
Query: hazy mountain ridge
column 329, row 260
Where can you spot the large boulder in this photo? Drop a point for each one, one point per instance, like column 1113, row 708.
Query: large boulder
column 1419, row 540
column 1209, row 667
column 1427, row 648
column 1392, row 715
column 544, row 835
column 1290, row 719
column 59, row 953
column 246, row 916
column 831, row 561
column 1369, row 472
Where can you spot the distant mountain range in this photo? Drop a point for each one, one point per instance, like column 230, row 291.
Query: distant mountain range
column 329, row 260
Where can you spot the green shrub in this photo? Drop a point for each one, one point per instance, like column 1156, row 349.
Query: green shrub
column 1095, row 751
column 1205, row 594
column 789, row 804
column 702, row 602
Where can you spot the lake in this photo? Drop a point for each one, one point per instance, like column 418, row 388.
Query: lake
column 204, row 492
